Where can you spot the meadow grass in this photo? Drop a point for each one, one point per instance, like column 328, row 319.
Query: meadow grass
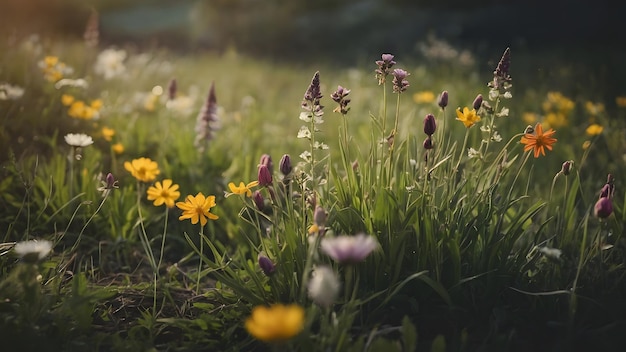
column 370, row 227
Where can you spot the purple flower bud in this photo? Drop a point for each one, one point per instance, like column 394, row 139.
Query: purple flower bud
column 264, row 176
column 319, row 216
column 478, row 102
column 266, row 264
column 400, row 84
column 172, row 89
column 384, row 67
column 266, row 160
column 259, row 201
column 567, row 167
column 285, row 165
column 605, row 192
column 428, row 143
column 603, row 208
column 442, row 100
column 110, row 181
column 430, row 125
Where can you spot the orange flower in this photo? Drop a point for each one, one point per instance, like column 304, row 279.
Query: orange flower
column 538, row 140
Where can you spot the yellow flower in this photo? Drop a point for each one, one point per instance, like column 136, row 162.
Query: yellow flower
column 594, row 109
column 538, row 140
column 143, row 169
column 469, row 118
column 108, row 133
column 621, row 102
column 165, row 193
column 118, row 148
column 529, row 118
column 197, row 209
column 594, row 129
column 424, row 97
column 50, row 61
column 242, row 188
column 586, row 145
column 556, row 119
column 275, row 323
column 67, row 99
column 96, row 104
column 77, row 109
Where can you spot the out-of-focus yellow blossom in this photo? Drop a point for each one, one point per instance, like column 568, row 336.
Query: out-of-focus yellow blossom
column 424, row 97
column 108, row 133
column 594, row 109
column 79, row 110
column 53, row 69
column 621, row 102
column 150, row 103
column 275, row 323
column 529, row 118
column 594, row 129
column 556, row 119
column 67, row 99
column 118, row 148
column 559, row 102
column 586, row 145
column 96, row 104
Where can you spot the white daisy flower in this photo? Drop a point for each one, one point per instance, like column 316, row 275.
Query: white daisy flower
column 78, row 139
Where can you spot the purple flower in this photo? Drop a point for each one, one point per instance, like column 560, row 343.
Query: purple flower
column 349, row 249
column 478, row 102
column 384, row 67
column 319, row 216
column 285, row 165
column 172, row 89
column 339, row 96
column 206, row 122
column 442, row 100
column 266, row 264
column 266, row 160
column 400, row 84
column 603, row 208
column 264, row 176
column 428, row 143
column 258, row 199
column 567, row 167
column 430, row 125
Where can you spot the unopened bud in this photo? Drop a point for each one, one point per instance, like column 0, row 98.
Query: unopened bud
column 566, row 167
column 319, row 216
column 478, row 102
column 430, row 125
column 428, row 143
column 266, row 264
column 264, row 176
column 266, row 160
column 603, row 208
column 442, row 100
column 258, row 199
column 285, row 165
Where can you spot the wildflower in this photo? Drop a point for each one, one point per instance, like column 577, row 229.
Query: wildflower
column 285, row 165
column 207, row 120
column 197, row 208
column 552, row 253
column 324, row 286
column 181, row 105
column 266, row 264
column 339, row 97
column 108, row 133
column 603, row 208
column 400, row 84
column 53, row 69
column 10, row 92
column 472, row 153
column 266, row 160
column 428, row 143
column 109, row 183
column 172, row 89
column 469, row 118
column 594, row 129
column 594, row 109
column 78, row 140
column 538, row 140
column 311, row 101
column 442, row 100
column 349, row 249
column 566, row 168
column 478, row 102
column 275, row 323
column 91, row 33
column 118, row 148
column 501, row 78
column 163, row 193
column 143, row 169
column 529, row 117
column 75, row 83
column 242, row 188
column 67, row 99
column 621, row 101
column 430, row 125
column 257, row 197
column 33, row 251
column 264, row 176
column 424, row 97
column 384, row 67
column 110, row 63
column 319, row 217
column 586, row 145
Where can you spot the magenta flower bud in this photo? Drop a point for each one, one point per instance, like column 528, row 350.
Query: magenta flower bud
column 266, row 160
column 258, row 199
column 603, row 208
column 285, row 165
column 566, row 167
column 478, row 102
column 428, row 143
column 172, row 89
column 264, row 176
column 266, row 264
column 605, row 192
column 442, row 100
column 110, row 181
column 430, row 124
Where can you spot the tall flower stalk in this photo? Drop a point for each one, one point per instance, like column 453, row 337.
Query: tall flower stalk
column 206, row 122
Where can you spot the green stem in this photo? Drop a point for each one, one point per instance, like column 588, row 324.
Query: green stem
column 200, row 259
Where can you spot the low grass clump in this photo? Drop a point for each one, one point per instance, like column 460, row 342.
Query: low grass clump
column 152, row 201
